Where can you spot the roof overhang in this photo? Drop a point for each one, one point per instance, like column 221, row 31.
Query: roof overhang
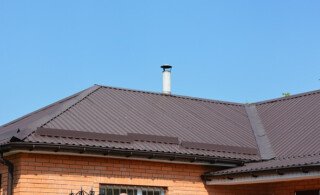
column 15, row 147
column 302, row 173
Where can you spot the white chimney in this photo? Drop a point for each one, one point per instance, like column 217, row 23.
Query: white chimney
column 166, row 79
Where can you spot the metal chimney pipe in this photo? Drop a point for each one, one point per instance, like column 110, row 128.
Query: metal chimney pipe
column 166, row 79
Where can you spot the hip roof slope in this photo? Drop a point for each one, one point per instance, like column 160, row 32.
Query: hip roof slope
column 110, row 110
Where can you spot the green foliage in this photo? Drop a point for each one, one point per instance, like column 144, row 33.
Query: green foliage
column 286, row 94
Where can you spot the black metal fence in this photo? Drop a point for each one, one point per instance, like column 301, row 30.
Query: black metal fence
column 82, row 192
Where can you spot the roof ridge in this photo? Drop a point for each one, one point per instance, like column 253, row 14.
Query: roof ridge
column 62, row 109
column 298, row 95
column 176, row 96
column 261, row 137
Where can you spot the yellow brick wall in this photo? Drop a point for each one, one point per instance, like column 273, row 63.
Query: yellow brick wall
column 59, row 174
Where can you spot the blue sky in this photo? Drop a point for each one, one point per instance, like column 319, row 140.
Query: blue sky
column 242, row 51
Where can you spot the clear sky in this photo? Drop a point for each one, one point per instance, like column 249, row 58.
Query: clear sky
column 242, row 51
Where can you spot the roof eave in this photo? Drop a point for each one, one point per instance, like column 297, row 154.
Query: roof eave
column 279, row 175
column 261, row 176
column 127, row 153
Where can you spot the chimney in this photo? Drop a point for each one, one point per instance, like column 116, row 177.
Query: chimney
column 166, row 79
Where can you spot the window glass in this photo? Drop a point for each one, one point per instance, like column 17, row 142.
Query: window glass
column 102, row 191
column 116, row 191
column 130, row 190
column 109, row 192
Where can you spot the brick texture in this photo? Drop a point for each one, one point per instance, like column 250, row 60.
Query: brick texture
column 59, row 174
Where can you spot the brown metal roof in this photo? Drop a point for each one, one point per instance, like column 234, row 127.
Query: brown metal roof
column 118, row 111
column 121, row 118
column 214, row 128
column 292, row 124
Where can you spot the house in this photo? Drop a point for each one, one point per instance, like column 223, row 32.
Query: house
column 111, row 141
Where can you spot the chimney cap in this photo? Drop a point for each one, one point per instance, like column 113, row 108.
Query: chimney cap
column 166, row 67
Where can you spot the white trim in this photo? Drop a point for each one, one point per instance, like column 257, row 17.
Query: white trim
column 265, row 178
column 117, row 157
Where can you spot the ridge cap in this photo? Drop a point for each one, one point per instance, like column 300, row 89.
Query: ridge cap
column 260, row 134
column 175, row 96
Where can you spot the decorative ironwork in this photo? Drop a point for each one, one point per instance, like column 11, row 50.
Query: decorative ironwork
column 82, row 192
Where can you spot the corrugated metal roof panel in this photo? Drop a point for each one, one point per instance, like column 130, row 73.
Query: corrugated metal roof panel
column 107, row 110
column 293, row 124
column 115, row 111
column 275, row 164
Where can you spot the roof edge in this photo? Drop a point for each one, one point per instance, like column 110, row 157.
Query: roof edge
column 265, row 177
column 288, row 97
column 277, row 170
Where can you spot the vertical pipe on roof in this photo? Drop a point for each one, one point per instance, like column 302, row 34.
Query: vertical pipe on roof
column 166, row 79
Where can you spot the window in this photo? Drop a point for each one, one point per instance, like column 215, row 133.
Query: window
column 308, row 192
column 130, row 190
